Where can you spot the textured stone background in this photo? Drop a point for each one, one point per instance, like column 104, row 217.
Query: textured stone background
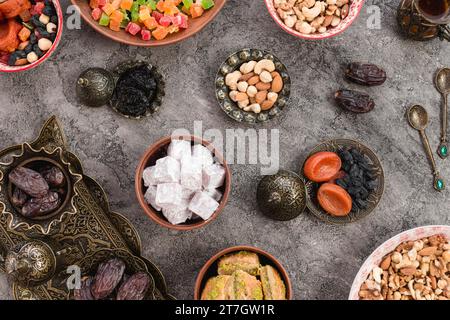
column 321, row 259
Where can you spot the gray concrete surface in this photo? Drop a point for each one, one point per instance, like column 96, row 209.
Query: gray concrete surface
column 322, row 260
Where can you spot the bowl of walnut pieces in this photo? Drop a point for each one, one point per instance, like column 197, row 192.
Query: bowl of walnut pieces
column 314, row 19
column 413, row 265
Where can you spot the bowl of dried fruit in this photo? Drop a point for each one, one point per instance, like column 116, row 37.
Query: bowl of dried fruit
column 252, row 86
column 412, row 265
column 40, row 190
column 344, row 181
column 314, row 19
column 30, row 32
column 114, row 275
column 243, row 273
column 148, row 23
column 182, row 182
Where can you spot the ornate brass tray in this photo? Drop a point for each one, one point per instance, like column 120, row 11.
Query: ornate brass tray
column 92, row 228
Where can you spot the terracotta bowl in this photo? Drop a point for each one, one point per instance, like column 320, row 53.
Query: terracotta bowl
column 387, row 247
column 355, row 9
column 7, row 68
column 159, row 150
column 195, row 25
column 209, row 270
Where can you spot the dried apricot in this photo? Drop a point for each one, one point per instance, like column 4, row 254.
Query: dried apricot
column 322, row 166
column 334, row 199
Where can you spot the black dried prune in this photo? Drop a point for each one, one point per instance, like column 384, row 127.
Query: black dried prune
column 108, row 276
column 354, row 101
column 135, row 287
column 365, row 74
column 29, row 181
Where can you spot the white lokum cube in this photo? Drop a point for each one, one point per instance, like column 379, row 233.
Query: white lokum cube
column 213, row 176
column 203, row 205
column 215, row 194
column 150, row 197
column 168, row 195
column 148, row 177
column 187, row 194
column 191, row 173
column 179, row 149
column 167, row 170
column 201, row 152
column 177, row 215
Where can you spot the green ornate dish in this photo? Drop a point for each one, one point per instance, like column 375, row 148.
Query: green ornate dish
column 374, row 197
column 232, row 63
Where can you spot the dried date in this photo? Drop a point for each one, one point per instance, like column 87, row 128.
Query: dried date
column 41, row 206
column 354, row 101
column 29, row 181
column 108, row 276
column 19, row 198
column 135, row 287
column 365, row 74
column 54, row 176
column 84, row 293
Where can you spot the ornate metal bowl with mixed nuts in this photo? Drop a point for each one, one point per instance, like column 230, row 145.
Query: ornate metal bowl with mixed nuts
column 374, row 196
column 231, row 64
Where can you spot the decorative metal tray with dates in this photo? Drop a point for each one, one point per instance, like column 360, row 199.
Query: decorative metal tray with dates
column 84, row 228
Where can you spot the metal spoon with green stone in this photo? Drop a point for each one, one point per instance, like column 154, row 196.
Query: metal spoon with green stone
column 418, row 119
column 442, row 83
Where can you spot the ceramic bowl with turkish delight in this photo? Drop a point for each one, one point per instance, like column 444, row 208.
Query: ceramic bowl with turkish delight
column 183, row 182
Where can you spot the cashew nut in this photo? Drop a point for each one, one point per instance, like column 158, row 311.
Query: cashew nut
column 233, row 95
column 264, row 64
column 243, row 104
column 252, row 91
column 311, row 14
column 256, row 108
column 231, row 79
column 248, row 67
column 242, row 86
column 265, row 77
column 272, row 96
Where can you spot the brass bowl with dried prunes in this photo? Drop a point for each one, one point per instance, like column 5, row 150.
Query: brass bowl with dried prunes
column 139, row 89
column 40, row 190
column 114, row 275
column 344, row 181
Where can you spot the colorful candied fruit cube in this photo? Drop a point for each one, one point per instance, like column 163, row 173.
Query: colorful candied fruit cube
column 144, row 13
column 157, row 15
column 114, row 25
column 196, row 10
column 101, row 3
column 25, row 15
column 126, row 4
column 151, row 23
column 207, row 4
column 160, row 33
column 96, row 14
column 173, row 29
column 151, row 4
column 133, row 28
column 117, row 16
column 108, row 9
column 93, row 4
column 24, row 34
column 180, row 20
column 104, row 20
column 165, row 21
column 188, row 3
column 116, row 4
column 146, row 34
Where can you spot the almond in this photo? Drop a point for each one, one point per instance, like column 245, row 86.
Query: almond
column 241, row 96
column 261, row 86
column 408, row 271
column 386, row 263
column 261, row 96
column 266, row 105
column 275, row 74
column 247, row 76
column 428, row 251
column 253, row 80
column 277, row 84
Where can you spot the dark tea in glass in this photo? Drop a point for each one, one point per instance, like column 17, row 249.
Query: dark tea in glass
column 435, row 11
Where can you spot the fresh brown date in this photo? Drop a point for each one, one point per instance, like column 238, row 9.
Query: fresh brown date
column 41, row 206
column 19, row 197
column 29, row 181
column 135, row 287
column 108, row 276
column 84, row 293
column 354, row 101
column 365, row 74
column 54, row 176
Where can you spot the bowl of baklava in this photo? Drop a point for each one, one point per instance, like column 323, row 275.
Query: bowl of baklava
column 243, row 273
